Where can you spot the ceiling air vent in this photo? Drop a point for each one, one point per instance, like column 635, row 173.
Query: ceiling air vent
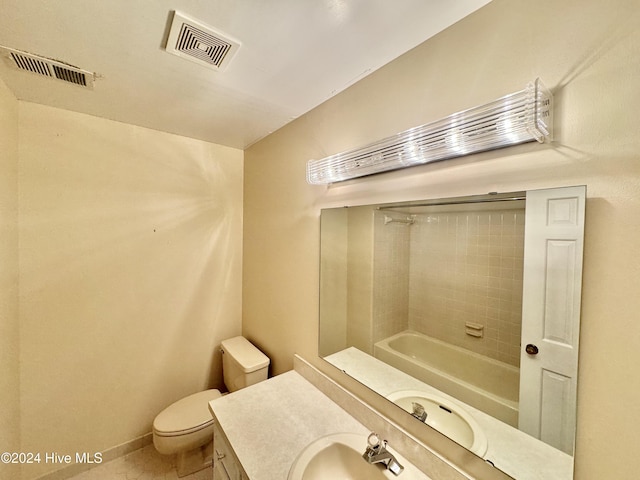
column 47, row 67
column 200, row 43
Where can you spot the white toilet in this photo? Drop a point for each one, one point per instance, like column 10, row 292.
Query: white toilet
column 185, row 427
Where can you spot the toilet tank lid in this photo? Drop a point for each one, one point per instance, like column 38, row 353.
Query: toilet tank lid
column 189, row 413
column 245, row 354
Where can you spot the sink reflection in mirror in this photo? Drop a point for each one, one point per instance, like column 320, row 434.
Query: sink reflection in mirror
column 483, row 275
column 445, row 415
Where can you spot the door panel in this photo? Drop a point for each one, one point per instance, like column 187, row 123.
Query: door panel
column 554, row 237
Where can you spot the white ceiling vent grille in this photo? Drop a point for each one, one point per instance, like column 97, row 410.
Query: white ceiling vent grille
column 200, row 43
column 47, row 67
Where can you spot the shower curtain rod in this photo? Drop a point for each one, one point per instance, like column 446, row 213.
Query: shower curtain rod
column 454, row 202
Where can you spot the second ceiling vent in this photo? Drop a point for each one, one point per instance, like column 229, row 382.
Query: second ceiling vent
column 200, row 43
column 47, row 67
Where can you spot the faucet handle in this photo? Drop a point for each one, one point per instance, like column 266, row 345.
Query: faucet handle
column 373, row 440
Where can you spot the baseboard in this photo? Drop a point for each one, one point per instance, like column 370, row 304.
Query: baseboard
column 107, row 455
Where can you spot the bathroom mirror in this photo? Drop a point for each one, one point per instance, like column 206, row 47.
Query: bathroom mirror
column 465, row 312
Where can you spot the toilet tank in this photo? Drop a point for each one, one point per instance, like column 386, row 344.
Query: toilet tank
column 242, row 363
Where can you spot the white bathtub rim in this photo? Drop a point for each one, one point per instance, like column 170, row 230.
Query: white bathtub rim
column 383, row 344
column 457, row 348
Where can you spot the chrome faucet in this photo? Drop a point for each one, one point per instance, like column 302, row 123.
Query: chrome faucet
column 377, row 452
column 419, row 412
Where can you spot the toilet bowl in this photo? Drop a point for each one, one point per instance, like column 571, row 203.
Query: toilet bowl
column 185, row 428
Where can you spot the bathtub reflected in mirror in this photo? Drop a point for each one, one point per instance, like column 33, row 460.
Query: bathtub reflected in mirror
column 478, row 380
column 428, row 296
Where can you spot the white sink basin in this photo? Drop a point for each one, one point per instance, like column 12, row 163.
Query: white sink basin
column 339, row 456
column 446, row 416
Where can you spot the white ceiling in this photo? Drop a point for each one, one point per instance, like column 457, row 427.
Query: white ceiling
column 295, row 54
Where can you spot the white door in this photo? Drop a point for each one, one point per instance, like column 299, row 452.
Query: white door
column 553, row 246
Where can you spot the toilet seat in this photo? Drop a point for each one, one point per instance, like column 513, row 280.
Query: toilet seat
column 186, row 416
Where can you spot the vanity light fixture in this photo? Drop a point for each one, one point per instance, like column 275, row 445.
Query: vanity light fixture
column 520, row 117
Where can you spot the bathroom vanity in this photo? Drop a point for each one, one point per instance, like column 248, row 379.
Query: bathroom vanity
column 269, row 424
column 262, row 430
column 226, row 465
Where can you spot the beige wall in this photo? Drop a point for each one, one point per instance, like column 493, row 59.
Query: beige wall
column 9, row 326
column 130, row 275
column 360, row 278
column 333, row 307
column 588, row 52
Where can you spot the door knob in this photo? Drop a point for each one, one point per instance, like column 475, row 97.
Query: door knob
column 531, row 349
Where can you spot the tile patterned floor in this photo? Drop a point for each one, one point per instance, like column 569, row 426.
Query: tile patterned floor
column 143, row 464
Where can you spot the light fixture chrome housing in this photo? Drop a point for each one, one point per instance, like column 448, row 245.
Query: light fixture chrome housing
column 520, row 117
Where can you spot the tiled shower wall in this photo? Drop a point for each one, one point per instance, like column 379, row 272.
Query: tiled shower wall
column 464, row 266
column 391, row 275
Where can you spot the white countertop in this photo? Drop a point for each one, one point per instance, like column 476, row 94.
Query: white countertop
column 270, row 423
